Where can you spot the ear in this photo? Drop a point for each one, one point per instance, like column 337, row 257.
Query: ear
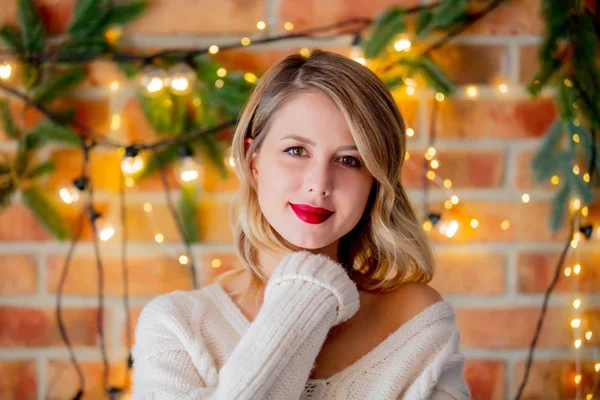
column 253, row 161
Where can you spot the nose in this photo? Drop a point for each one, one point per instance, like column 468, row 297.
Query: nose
column 318, row 179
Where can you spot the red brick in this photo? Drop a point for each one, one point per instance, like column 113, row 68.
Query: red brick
column 485, row 379
column 180, row 16
column 487, row 327
column 524, row 174
column 63, row 381
column 536, row 271
column 497, row 119
column 148, row 275
column 528, row 222
column 19, row 380
column 18, row 224
column 553, row 379
column 465, row 168
column 510, row 18
column 465, row 64
column 34, row 327
column 315, row 13
column 474, row 273
column 17, row 274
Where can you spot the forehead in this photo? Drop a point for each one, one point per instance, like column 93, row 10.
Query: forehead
column 312, row 115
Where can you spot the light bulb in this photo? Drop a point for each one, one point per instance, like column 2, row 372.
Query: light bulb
column 182, row 78
column 229, row 160
column 187, row 170
column 357, row 55
column 250, row 77
column 6, row 70
column 403, row 44
column 69, row 194
column 449, row 228
column 153, row 80
column 183, row 259
column 472, row 91
column 132, row 165
column 104, row 229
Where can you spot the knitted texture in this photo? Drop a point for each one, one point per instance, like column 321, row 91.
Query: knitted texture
column 199, row 345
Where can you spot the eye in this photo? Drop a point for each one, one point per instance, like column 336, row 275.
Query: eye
column 356, row 164
column 294, row 148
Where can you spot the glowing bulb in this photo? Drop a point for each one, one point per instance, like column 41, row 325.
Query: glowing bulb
column 288, row 26
column 447, row 183
column 525, row 198
column 576, row 323
column 577, row 269
column 584, row 211
column 435, row 164
column 449, row 229
column 105, row 231
column 577, row 378
column 427, row 225
column 305, row 52
column 261, row 25
column 214, row 49
column 474, row 223
column 574, row 243
column 554, row 180
column 409, row 82
column 69, row 194
column 403, row 44
column 219, row 83
column 568, row 82
column 246, row 41
column 183, row 78
column 472, row 91
column 5, row 71
column 132, row 165
column 147, row 207
column 250, row 77
column 505, row 224
column 410, row 90
column 597, row 367
column 229, row 159
column 576, row 138
column 159, row 238
column 586, row 177
column 431, row 151
column 454, row 199
column 503, row 88
column 439, row 96
column 568, row 271
column 430, row 175
column 576, row 303
column 447, row 204
column 114, row 86
column 222, row 72
column 577, row 343
column 216, row 263
column 183, row 259
column 152, row 79
column 407, row 155
column 576, row 169
column 189, row 170
column 410, row 132
column 588, row 335
column 129, row 182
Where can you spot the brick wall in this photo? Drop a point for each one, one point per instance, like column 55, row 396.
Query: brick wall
column 494, row 277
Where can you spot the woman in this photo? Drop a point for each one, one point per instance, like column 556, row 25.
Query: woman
column 332, row 298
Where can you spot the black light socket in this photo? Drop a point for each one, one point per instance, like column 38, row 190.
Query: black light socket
column 81, row 183
column 586, row 230
column 434, row 218
column 185, row 151
column 131, row 151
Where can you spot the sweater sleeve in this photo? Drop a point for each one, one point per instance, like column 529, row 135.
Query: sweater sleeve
column 306, row 295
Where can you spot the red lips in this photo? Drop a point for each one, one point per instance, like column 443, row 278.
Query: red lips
column 311, row 215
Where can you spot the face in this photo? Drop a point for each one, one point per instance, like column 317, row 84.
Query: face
column 309, row 157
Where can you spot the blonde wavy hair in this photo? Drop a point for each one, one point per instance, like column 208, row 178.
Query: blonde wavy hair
column 388, row 246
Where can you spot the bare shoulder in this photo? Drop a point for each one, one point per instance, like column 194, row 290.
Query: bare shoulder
column 405, row 302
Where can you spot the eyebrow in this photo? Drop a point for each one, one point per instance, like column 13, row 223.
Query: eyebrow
column 309, row 141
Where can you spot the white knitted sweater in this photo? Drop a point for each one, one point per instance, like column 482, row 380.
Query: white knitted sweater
column 199, row 345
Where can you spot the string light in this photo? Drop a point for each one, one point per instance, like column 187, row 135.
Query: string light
column 472, row 91
column 586, row 177
column 576, row 169
column 430, row 175
column 222, row 72
column 555, row 180
column 183, row 259
column 152, row 79
column 454, row 199
column 575, row 138
column 187, row 169
column 288, row 26
column 503, row 88
column 250, row 77
column 182, row 78
column 114, row 86
column 567, row 271
column 525, row 198
column 576, row 323
column 447, row 204
column 447, row 183
column 588, row 335
column 435, row 164
column 5, row 71
column 216, row 263
column 474, row 223
column 246, row 41
column 439, row 96
column 115, row 122
column 229, row 159
column 261, row 25
column 403, row 44
column 505, row 225
column 449, row 228
column 576, row 303
column 219, row 83
column 159, row 238
column 147, row 207
column 69, row 194
column 410, row 90
column 410, row 132
column 132, row 163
